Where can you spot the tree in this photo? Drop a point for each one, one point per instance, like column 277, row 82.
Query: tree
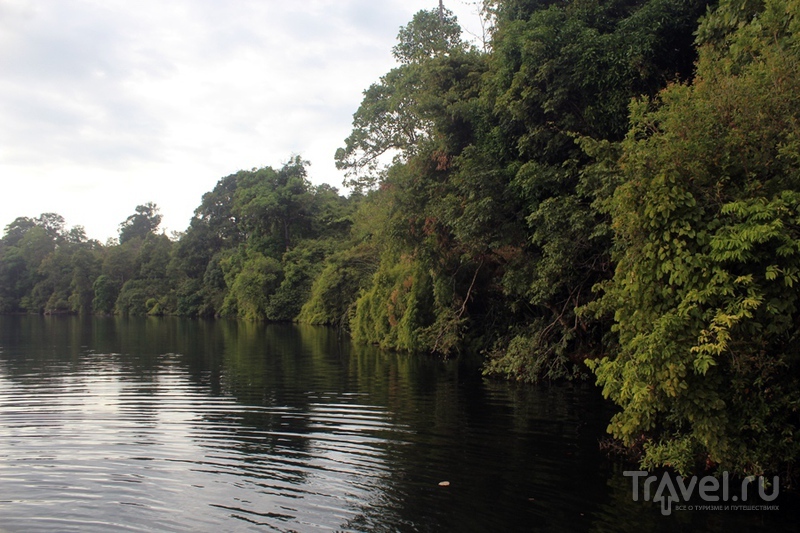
column 274, row 207
column 154, row 257
column 707, row 225
column 251, row 278
column 409, row 103
column 26, row 246
column 15, row 231
column 53, row 225
column 85, row 270
column 430, row 34
column 105, row 291
column 488, row 192
column 216, row 212
column 44, row 267
column 51, row 293
column 557, row 75
column 144, row 221
column 337, row 287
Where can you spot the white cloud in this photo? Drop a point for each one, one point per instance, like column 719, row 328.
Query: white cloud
column 106, row 104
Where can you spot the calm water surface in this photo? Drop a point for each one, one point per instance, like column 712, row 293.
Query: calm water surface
column 110, row 424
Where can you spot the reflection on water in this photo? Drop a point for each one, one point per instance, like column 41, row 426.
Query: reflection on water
column 176, row 425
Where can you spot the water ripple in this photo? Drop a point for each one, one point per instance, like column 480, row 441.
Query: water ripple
column 99, row 435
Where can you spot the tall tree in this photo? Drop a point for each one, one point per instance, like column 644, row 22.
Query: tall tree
column 144, row 221
column 407, row 105
column 430, row 34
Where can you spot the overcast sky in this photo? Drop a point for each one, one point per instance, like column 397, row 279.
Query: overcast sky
column 108, row 104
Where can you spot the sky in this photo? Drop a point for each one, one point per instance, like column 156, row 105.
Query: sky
column 109, row 104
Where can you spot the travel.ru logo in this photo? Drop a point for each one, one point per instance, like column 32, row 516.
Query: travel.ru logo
column 710, row 489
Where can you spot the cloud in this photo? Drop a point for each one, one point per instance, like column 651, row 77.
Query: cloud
column 66, row 95
column 106, row 104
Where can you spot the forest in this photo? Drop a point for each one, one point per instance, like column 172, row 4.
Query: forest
column 606, row 189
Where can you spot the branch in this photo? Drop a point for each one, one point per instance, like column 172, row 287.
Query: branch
column 469, row 291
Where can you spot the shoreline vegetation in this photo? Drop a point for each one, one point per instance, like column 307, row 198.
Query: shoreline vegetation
column 608, row 188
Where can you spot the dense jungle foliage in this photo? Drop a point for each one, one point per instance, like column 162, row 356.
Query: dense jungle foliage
column 610, row 186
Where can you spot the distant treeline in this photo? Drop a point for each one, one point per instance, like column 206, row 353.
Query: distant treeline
column 608, row 182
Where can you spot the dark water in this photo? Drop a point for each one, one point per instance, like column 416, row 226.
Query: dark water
column 177, row 425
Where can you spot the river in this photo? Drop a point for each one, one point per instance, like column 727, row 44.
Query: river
column 166, row 424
